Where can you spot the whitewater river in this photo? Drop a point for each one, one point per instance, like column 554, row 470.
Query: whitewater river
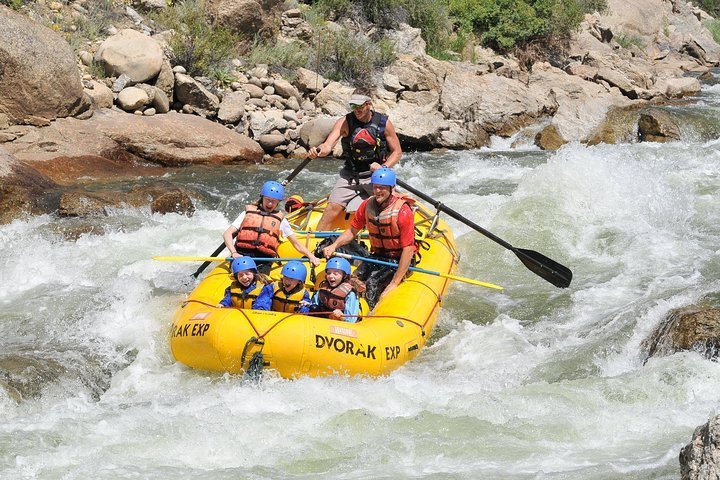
column 532, row 383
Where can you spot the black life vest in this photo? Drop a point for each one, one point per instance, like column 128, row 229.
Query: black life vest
column 365, row 143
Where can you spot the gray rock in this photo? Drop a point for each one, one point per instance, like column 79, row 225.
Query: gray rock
column 39, row 71
column 700, row 459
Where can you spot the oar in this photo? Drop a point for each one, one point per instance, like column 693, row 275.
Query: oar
column 547, row 268
column 421, row 270
column 221, row 247
column 326, row 233
column 223, row 259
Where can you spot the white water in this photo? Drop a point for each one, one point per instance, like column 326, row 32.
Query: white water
column 535, row 382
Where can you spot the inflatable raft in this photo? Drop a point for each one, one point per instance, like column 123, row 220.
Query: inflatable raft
column 206, row 337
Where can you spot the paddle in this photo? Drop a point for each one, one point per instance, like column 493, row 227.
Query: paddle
column 223, row 259
column 550, row 270
column 421, row 270
column 221, row 247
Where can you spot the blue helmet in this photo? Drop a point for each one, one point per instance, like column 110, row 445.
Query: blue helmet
column 383, row 176
column 339, row 263
column 295, row 270
column 241, row 264
column 273, row 190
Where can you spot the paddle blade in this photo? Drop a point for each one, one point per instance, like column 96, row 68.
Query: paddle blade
column 547, row 268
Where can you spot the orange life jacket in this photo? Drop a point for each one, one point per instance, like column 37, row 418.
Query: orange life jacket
column 333, row 297
column 383, row 226
column 287, row 302
column 259, row 231
column 242, row 298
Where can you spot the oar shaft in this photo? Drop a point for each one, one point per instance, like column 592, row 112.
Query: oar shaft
column 223, row 259
column 441, row 206
column 547, row 268
column 420, row 270
column 326, row 233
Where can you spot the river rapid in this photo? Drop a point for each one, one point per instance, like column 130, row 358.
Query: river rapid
column 532, row 383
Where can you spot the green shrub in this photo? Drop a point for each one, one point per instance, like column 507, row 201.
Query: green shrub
column 591, row 6
column 14, row 4
column 341, row 55
column 432, row 17
column 506, row 24
column 710, row 6
column 714, row 27
column 627, row 41
column 288, row 56
column 196, row 44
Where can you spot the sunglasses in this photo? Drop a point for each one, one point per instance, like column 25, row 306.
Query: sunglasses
column 357, row 107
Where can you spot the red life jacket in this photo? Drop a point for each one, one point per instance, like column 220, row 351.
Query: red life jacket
column 259, row 231
column 287, row 302
column 333, row 297
column 242, row 298
column 383, row 226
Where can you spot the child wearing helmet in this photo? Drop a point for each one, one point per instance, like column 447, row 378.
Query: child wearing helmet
column 288, row 294
column 260, row 226
column 336, row 294
column 246, row 287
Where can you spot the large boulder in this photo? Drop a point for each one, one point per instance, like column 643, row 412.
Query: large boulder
column 175, row 139
column 39, row 77
column 131, row 53
column 242, row 16
column 689, row 328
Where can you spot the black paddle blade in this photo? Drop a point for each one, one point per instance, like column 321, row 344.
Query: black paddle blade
column 547, row 268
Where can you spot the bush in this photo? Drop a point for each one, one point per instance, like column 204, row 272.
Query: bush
column 710, row 6
column 197, row 45
column 282, row 56
column 343, row 56
column 714, row 27
column 627, row 41
column 14, row 4
column 506, row 24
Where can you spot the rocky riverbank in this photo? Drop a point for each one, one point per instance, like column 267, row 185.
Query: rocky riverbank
column 65, row 123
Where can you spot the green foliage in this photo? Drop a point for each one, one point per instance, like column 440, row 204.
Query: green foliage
column 591, row 6
column 343, row 56
column 710, row 6
column 14, row 4
column 432, row 17
column 197, row 45
column 222, row 76
column 627, row 41
column 287, row 56
column 501, row 23
column 506, row 24
column 714, row 27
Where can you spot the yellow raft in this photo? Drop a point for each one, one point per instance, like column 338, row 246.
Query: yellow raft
column 206, row 337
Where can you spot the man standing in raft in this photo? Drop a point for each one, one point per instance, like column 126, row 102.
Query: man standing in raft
column 390, row 225
column 259, row 228
column 369, row 142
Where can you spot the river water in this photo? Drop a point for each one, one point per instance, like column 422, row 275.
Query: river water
column 532, row 383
